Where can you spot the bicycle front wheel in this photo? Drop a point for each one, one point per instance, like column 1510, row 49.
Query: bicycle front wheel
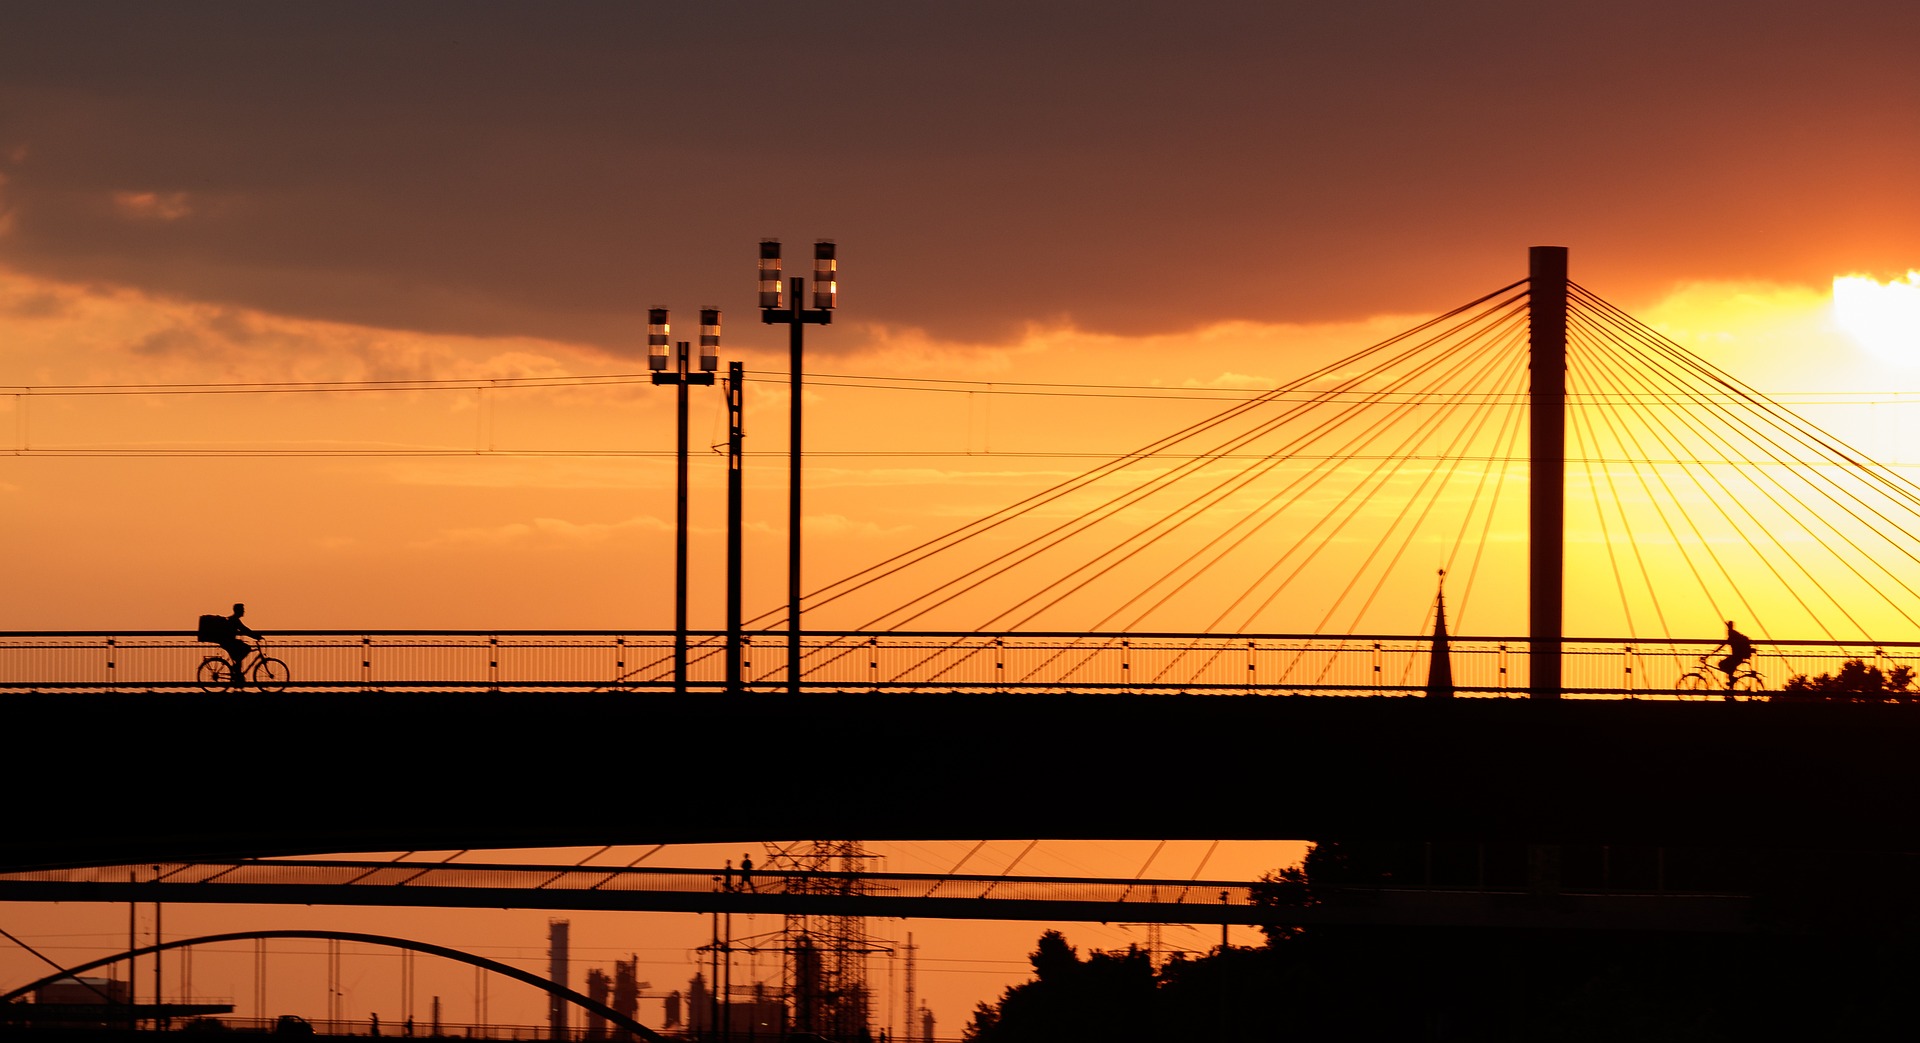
column 215, row 674
column 1695, row 686
column 1750, row 684
column 269, row 675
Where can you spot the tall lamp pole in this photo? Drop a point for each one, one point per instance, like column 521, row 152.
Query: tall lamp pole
column 678, row 370
column 773, row 310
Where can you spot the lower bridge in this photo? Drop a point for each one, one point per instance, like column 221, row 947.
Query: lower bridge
column 902, row 895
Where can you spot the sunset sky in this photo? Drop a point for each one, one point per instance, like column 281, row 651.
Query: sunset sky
column 1064, row 229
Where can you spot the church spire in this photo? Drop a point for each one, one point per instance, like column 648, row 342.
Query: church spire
column 1440, row 666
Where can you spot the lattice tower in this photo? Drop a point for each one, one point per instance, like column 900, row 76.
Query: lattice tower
column 826, row 965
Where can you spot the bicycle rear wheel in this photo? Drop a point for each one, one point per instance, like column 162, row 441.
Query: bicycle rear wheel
column 215, row 674
column 269, row 675
column 1694, row 686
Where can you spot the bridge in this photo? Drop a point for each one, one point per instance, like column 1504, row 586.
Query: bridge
column 1687, row 495
column 1494, row 893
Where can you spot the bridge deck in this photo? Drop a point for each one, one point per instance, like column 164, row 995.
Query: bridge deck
column 1044, row 899
column 146, row 778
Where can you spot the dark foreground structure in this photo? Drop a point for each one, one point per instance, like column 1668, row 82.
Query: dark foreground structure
column 1799, row 810
column 167, row 777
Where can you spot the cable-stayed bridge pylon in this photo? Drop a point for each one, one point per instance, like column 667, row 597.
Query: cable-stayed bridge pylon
column 1663, row 498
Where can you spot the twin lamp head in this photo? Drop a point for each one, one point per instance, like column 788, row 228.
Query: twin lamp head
column 826, row 293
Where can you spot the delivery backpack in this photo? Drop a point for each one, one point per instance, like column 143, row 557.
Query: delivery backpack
column 214, row 629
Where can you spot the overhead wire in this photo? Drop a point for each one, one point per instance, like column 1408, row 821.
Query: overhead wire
column 1194, row 506
column 1766, row 480
column 1626, row 435
column 1700, row 477
column 1579, row 426
column 1384, row 420
column 1689, row 422
column 1658, row 430
column 1515, row 365
column 853, row 381
column 1274, row 507
column 1054, row 536
column 1351, row 504
column 1821, row 469
column 1509, row 436
column 820, row 596
column 1345, row 510
column 1756, row 403
column 1360, row 492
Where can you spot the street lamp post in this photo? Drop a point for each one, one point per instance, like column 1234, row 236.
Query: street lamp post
column 773, row 310
column 678, row 371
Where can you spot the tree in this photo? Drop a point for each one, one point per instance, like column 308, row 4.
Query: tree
column 1855, row 682
column 986, row 1017
column 1107, row 996
column 1053, row 959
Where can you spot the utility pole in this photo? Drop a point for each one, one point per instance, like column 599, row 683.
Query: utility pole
column 1547, row 450
column 736, row 433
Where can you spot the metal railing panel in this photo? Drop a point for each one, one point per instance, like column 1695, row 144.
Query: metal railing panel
column 642, row 661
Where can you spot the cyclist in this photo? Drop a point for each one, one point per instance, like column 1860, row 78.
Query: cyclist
column 1739, row 650
column 236, row 648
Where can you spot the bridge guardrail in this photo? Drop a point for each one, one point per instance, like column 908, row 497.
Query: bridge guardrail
column 642, row 661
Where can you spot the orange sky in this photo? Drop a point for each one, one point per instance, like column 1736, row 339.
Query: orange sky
column 1065, row 194
column 959, row 963
column 908, row 436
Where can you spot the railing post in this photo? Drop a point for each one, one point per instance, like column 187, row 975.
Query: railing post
column 113, row 679
column 366, row 663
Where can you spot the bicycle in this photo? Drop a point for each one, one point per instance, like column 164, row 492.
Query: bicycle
column 262, row 671
column 1699, row 684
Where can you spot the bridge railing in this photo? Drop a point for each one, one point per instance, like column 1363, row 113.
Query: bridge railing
column 642, row 661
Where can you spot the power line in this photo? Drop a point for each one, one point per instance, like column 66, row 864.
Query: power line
column 928, row 385
column 69, row 452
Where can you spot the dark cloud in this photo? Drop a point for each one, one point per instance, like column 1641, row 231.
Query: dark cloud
column 554, row 169
column 34, row 305
column 169, row 342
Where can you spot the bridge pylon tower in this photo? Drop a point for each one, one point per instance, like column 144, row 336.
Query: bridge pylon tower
column 1547, row 466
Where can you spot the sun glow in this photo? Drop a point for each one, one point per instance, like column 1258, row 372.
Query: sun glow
column 1883, row 318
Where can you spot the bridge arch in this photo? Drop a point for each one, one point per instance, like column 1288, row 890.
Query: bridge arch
column 577, row 999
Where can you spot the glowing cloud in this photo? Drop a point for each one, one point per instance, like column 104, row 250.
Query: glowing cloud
column 1883, row 317
column 152, row 206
